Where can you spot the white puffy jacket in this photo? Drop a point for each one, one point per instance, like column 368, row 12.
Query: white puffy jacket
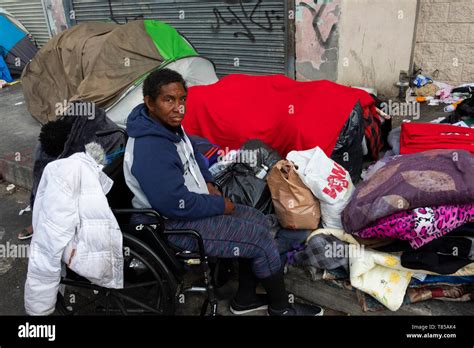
column 72, row 222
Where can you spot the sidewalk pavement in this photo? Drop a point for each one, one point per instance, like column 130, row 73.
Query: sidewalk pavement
column 13, row 260
column 18, row 137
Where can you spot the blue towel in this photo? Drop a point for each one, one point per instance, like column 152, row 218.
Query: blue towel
column 443, row 279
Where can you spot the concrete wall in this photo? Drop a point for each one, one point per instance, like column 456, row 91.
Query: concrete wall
column 317, row 39
column 355, row 42
column 376, row 40
column 445, row 39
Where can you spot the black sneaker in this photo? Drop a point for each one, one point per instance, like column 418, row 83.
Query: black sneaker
column 298, row 309
column 259, row 304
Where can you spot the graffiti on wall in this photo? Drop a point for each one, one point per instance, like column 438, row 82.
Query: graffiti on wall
column 317, row 39
column 241, row 18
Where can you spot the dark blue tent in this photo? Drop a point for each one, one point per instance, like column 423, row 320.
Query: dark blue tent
column 16, row 48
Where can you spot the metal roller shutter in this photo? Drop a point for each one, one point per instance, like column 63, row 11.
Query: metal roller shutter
column 32, row 15
column 239, row 36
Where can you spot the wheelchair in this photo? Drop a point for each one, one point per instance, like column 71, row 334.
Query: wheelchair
column 154, row 269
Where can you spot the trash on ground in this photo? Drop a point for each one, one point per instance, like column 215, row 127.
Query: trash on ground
column 27, row 209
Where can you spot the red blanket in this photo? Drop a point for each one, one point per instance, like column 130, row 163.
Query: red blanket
column 285, row 114
column 417, row 137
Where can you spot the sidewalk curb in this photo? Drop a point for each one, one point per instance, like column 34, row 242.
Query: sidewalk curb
column 322, row 294
column 17, row 168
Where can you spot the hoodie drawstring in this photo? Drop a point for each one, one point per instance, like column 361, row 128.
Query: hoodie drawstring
column 190, row 157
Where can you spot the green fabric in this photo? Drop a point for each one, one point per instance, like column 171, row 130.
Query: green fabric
column 469, row 121
column 167, row 40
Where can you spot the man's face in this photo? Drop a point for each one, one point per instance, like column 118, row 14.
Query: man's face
column 169, row 105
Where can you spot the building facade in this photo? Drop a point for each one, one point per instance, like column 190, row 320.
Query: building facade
column 363, row 43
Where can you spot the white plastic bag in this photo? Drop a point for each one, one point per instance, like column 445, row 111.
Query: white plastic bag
column 328, row 181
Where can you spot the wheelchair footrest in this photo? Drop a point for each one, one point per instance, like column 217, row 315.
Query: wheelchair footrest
column 187, row 255
column 192, row 262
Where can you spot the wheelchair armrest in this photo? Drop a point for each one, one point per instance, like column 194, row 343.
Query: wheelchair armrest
column 193, row 234
column 137, row 211
column 110, row 131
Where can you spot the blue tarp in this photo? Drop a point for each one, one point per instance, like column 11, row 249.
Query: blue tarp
column 4, row 72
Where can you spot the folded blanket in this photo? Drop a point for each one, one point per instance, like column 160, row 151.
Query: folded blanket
column 417, row 137
column 425, row 179
column 421, row 225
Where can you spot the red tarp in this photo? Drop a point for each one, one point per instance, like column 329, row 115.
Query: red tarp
column 285, row 114
column 418, row 137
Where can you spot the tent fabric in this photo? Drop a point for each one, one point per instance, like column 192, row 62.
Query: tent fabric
column 16, row 48
column 167, row 41
column 283, row 113
column 24, row 50
column 96, row 62
column 195, row 71
column 4, row 72
column 12, row 19
column 11, row 34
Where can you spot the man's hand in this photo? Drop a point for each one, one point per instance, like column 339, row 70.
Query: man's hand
column 213, row 190
column 229, row 206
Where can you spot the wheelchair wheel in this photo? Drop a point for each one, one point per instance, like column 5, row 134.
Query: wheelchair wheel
column 149, row 287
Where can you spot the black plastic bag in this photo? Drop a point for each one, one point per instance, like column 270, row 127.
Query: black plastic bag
column 264, row 153
column 465, row 108
column 348, row 149
column 240, row 183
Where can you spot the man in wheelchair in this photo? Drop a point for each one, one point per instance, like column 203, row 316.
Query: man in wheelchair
column 164, row 171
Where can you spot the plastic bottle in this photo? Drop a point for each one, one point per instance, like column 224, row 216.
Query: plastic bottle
column 421, row 80
column 451, row 107
column 262, row 173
